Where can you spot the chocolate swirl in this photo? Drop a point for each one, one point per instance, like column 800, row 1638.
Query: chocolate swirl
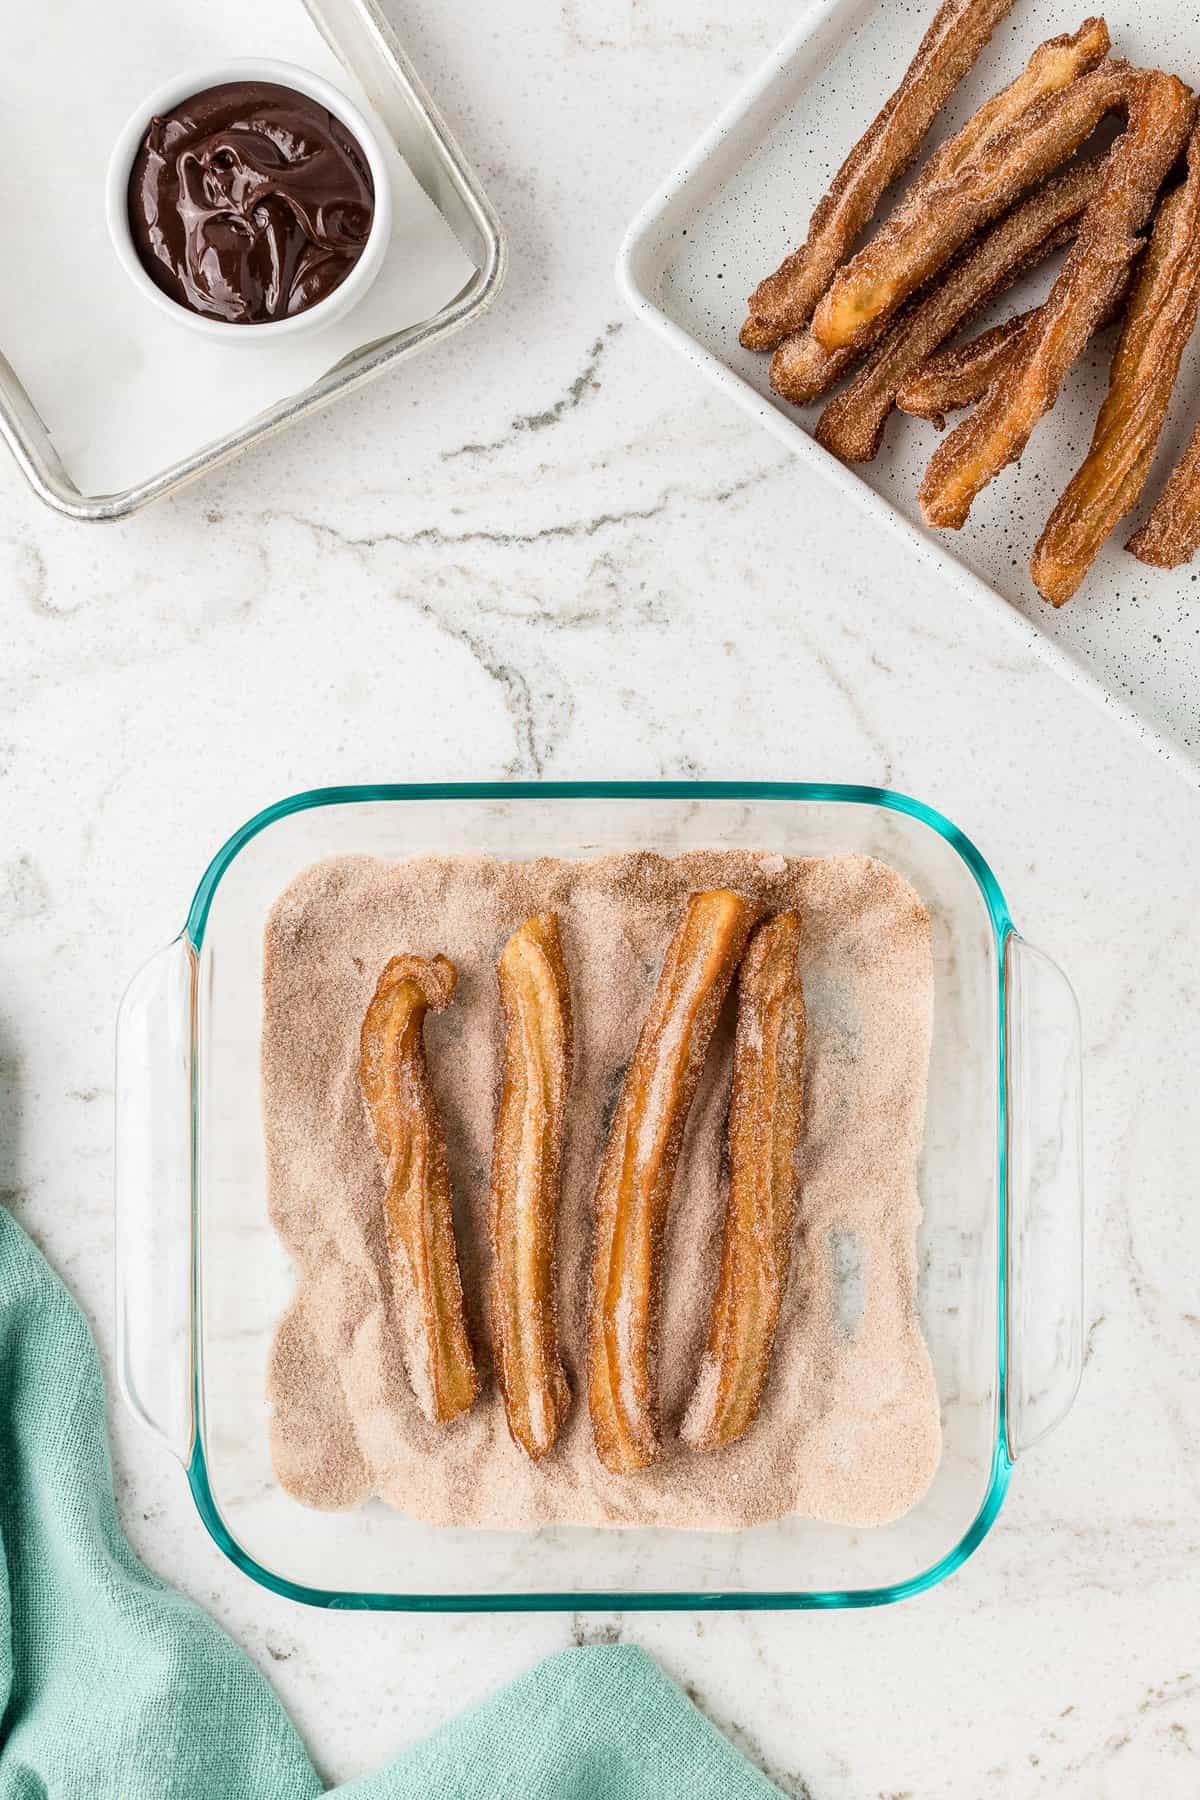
column 249, row 202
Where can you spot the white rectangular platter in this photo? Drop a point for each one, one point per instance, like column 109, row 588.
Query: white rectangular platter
column 741, row 200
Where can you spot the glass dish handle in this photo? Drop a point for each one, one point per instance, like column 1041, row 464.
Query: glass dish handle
column 154, row 1195
column 1044, row 1140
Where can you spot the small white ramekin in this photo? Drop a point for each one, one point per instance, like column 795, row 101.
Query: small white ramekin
column 282, row 74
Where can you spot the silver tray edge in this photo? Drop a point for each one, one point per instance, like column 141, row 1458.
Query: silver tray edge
column 26, row 434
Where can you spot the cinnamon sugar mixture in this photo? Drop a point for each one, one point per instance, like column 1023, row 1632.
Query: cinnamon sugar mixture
column 849, row 1427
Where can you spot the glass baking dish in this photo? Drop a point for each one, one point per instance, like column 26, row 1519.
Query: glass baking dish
column 202, row 1278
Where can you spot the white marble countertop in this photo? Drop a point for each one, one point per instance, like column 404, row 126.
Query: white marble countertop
column 548, row 549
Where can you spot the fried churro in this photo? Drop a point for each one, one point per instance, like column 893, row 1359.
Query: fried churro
column 801, row 371
column 523, row 1202
column 765, row 1117
column 1022, row 135
column 638, row 1171
column 1159, row 320
column 1160, row 116
column 852, row 424
column 1171, row 535
column 784, row 301
column 427, row 1287
column 961, row 375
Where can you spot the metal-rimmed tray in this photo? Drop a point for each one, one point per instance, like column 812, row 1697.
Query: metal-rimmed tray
column 364, row 42
column 738, row 202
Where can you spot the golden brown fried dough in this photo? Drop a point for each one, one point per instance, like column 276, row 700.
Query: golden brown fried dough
column 1160, row 116
column 638, row 1171
column 395, row 1085
column 852, row 424
column 1158, row 323
column 784, row 301
column 961, row 375
column 1022, row 135
column 1171, row 535
column 526, row 1162
column 765, row 1118
column 801, row 370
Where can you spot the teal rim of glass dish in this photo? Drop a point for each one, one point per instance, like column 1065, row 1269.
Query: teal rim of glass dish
column 614, row 1599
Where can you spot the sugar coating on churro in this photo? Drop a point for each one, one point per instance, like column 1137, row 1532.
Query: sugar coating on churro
column 1018, row 138
column 963, row 373
column 765, row 1115
column 852, row 424
column 526, row 1171
column 419, row 1223
column 1159, row 320
column 784, row 301
column 1160, row 117
column 847, row 1428
column 889, row 306
column 637, row 1175
column 1171, row 535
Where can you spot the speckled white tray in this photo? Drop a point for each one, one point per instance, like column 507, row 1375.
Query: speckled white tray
column 741, row 200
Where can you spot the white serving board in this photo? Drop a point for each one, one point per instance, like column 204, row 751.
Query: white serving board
column 742, row 199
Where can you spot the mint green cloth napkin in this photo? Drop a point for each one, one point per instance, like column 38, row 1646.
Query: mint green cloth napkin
column 113, row 1687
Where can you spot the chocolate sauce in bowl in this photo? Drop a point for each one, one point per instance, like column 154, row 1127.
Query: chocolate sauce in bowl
column 249, row 202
